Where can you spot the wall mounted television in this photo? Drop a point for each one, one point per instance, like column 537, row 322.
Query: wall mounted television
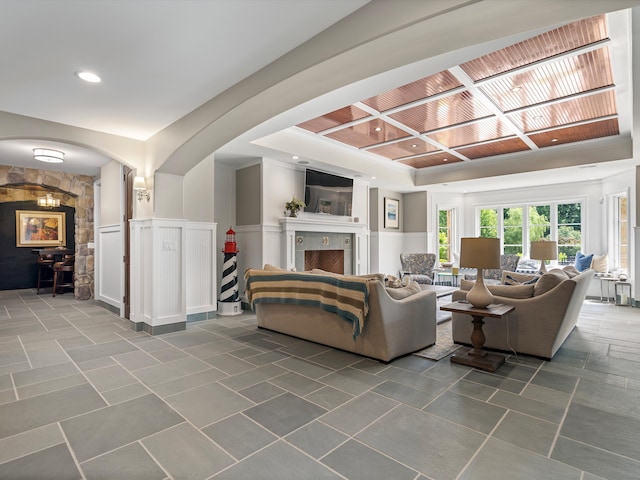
column 327, row 194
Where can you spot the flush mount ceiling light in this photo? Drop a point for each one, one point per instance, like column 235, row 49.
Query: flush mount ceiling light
column 48, row 155
column 89, row 77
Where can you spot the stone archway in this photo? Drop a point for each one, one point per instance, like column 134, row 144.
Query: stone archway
column 77, row 191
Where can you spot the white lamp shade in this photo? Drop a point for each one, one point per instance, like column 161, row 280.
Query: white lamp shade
column 544, row 250
column 139, row 183
column 480, row 252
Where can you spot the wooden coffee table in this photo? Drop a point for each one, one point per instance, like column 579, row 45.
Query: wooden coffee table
column 478, row 357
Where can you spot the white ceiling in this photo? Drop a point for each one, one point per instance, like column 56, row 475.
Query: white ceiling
column 159, row 60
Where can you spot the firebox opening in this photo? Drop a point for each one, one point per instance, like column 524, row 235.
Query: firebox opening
column 328, row 260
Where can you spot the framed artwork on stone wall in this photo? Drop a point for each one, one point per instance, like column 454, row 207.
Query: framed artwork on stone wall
column 40, row 228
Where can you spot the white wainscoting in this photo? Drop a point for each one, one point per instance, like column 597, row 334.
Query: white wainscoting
column 109, row 266
column 158, row 271
column 389, row 246
column 201, row 254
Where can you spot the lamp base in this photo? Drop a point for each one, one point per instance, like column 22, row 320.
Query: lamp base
column 479, row 296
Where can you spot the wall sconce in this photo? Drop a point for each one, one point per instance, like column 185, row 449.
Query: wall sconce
column 48, row 201
column 140, row 187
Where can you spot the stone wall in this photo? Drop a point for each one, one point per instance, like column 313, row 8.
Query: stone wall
column 17, row 183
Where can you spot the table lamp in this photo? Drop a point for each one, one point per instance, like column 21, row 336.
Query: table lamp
column 544, row 250
column 480, row 253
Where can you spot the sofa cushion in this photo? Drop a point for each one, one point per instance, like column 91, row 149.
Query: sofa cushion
column 549, row 281
column 509, row 291
column 583, row 262
column 404, row 292
column 515, row 278
column 600, row 263
column 571, row 270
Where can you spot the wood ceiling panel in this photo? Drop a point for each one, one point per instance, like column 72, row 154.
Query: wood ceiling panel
column 488, row 129
column 500, row 147
column 366, row 134
column 430, row 160
column 452, row 110
column 333, row 119
column 405, row 148
column 411, row 92
column 571, row 111
column 589, row 131
column 554, row 42
column 568, row 76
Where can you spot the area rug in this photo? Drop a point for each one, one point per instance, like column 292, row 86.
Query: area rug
column 444, row 344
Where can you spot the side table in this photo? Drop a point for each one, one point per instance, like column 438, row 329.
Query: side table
column 478, row 357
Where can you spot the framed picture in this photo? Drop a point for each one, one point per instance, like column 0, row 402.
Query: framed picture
column 40, row 228
column 391, row 213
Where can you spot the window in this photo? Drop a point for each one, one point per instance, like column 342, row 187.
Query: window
column 445, row 234
column 551, row 221
column 620, row 250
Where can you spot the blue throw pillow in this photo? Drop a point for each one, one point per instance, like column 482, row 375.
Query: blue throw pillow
column 583, row 262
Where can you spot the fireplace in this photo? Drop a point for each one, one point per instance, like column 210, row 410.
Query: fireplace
column 348, row 239
column 328, row 260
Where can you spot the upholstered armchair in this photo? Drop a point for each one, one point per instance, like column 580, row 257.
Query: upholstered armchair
column 494, row 275
column 419, row 266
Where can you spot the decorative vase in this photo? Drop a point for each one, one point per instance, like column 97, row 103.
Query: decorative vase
column 293, row 213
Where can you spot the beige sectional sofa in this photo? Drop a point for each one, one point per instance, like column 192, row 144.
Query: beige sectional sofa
column 545, row 313
column 392, row 327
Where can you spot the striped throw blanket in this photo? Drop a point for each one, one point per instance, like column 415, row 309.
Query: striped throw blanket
column 346, row 296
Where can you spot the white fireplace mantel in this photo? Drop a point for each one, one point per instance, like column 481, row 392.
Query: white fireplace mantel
column 329, row 224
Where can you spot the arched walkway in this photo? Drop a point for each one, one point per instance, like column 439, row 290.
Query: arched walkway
column 77, row 191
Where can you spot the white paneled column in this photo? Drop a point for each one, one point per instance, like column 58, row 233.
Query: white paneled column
column 158, row 273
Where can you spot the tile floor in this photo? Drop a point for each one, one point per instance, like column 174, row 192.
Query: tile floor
column 83, row 396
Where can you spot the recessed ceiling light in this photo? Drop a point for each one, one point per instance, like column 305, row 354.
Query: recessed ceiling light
column 295, row 157
column 554, row 139
column 445, row 159
column 516, row 89
column 373, row 178
column 414, row 145
column 378, row 129
column 89, row 77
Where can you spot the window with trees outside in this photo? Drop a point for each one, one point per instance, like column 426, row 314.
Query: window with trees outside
column 549, row 221
column 445, row 234
column 620, row 232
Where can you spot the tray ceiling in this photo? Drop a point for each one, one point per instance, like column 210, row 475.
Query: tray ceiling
column 552, row 89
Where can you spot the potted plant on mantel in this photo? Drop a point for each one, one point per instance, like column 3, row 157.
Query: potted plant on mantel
column 293, row 206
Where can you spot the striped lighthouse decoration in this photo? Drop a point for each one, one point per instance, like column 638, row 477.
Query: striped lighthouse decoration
column 229, row 303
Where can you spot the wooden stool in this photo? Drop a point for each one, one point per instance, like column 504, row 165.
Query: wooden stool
column 60, row 270
column 45, row 271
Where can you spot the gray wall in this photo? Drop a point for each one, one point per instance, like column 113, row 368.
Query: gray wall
column 248, row 195
column 414, row 211
column 376, row 213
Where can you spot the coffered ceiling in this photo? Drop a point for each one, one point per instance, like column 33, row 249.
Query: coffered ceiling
column 552, row 89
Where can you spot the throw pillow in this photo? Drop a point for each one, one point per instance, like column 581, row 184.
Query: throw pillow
column 515, row 278
column 600, row 263
column 583, row 262
column 509, row 291
column 512, row 291
column 571, row 271
column 272, row 268
column 404, row 292
column 548, row 281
